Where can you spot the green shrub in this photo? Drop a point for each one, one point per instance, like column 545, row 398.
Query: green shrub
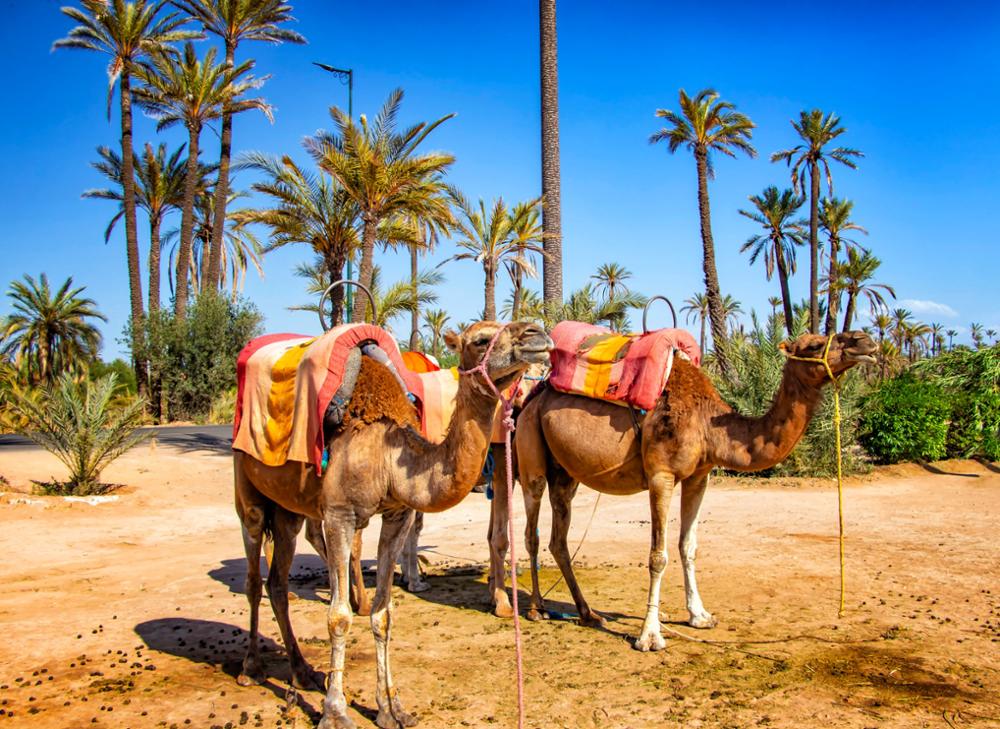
column 192, row 362
column 905, row 419
column 80, row 424
column 223, row 410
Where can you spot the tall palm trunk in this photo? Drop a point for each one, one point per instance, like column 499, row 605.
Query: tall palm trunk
column 814, row 251
column 489, row 298
column 221, row 189
column 131, row 232
column 551, row 194
column 849, row 314
column 154, row 263
column 515, row 307
column 832, row 296
column 415, row 313
column 206, row 252
column 786, row 299
column 701, row 341
column 716, row 314
column 367, row 264
column 334, row 270
column 187, row 225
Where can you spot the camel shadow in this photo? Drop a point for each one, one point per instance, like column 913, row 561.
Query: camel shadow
column 940, row 472
column 307, row 580
column 222, row 646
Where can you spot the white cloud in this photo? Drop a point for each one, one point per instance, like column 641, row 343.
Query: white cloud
column 922, row 306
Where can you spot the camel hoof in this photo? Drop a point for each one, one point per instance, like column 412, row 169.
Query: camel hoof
column 502, row 610
column 649, row 642
column 307, row 679
column 593, row 620
column 535, row 614
column 252, row 674
column 395, row 719
column 418, row 586
column 336, row 722
column 703, row 621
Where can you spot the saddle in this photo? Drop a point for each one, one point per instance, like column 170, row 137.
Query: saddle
column 627, row 369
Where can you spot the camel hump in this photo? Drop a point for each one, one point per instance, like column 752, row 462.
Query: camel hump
column 377, row 396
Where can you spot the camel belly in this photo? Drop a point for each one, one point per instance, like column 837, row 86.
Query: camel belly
column 293, row 486
column 594, row 442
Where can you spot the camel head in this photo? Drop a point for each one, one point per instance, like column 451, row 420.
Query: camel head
column 846, row 350
column 519, row 346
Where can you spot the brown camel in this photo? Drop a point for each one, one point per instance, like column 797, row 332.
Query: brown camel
column 378, row 464
column 563, row 440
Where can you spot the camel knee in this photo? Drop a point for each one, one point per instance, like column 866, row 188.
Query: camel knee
column 338, row 620
column 657, row 562
column 689, row 549
column 381, row 622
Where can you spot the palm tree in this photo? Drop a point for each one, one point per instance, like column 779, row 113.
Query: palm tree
column 49, row 333
column 487, row 236
column 159, row 190
column 816, row 131
column 381, row 171
column 611, row 278
column 530, row 307
column 951, row 337
column 992, row 334
column 552, row 287
column 435, row 320
column 705, row 125
column 854, row 276
column 731, row 309
column 774, row 302
column 526, row 231
column 129, row 33
column 901, row 319
column 777, row 244
column 976, row 332
column 192, row 92
column 240, row 248
column 915, row 337
column 696, row 307
column 234, row 22
column 313, row 209
column 419, row 235
column 936, row 331
column 835, row 219
column 882, row 322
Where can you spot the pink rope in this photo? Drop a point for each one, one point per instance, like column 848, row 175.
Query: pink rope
column 508, row 427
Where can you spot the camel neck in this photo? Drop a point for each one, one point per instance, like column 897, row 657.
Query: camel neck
column 446, row 472
column 743, row 443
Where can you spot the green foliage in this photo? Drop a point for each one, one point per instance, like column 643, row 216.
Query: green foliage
column 122, row 370
column 79, row 423
column 971, row 378
column 223, row 410
column 195, row 358
column 905, row 419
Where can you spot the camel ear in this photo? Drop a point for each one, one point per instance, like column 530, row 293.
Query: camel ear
column 453, row 341
column 783, row 347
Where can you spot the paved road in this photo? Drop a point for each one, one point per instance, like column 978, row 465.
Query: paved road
column 189, row 437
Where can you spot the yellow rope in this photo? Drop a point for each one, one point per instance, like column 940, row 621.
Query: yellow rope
column 824, row 360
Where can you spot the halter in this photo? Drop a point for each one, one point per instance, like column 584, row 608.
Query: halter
column 507, row 403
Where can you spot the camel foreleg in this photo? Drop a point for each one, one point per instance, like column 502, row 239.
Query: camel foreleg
column 396, row 527
column 692, row 492
column 660, row 487
column 339, row 530
column 497, row 537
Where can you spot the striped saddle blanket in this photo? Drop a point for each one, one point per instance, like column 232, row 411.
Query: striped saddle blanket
column 629, row 369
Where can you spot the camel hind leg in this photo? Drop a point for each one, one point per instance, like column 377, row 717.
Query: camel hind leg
column 286, row 530
column 497, row 536
column 532, row 470
column 253, row 510
column 410, row 562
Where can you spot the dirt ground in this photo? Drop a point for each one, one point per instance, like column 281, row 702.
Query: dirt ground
column 130, row 613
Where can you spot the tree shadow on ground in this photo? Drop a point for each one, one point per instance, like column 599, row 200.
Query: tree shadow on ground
column 222, row 646
column 196, row 442
column 987, row 464
column 941, row 472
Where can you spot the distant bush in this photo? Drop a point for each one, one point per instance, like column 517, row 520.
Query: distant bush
column 905, row 419
column 79, row 423
column 223, row 410
column 971, row 378
column 122, row 370
column 192, row 362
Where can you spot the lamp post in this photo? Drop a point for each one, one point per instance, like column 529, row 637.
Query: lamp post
column 345, row 76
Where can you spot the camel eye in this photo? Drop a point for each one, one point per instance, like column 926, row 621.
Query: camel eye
column 482, row 341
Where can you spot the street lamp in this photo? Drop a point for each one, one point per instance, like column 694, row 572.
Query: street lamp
column 345, row 76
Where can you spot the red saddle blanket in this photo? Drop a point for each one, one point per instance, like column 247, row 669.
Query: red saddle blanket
column 630, row 369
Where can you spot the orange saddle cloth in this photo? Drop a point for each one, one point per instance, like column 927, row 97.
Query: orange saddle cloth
column 630, row 369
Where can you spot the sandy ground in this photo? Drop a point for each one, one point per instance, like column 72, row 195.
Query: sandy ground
column 131, row 613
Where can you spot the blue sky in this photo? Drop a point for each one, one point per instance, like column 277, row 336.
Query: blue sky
column 915, row 84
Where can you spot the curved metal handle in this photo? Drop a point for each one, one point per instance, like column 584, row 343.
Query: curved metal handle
column 645, row 311
column 335, row 284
